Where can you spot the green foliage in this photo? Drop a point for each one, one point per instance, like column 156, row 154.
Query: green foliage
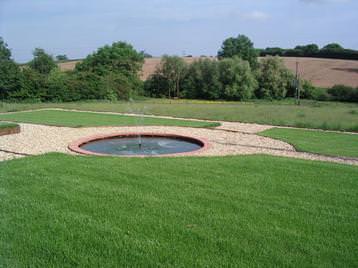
column 61, row 57
column 5, row 53
column 58, row 86
column 333, row 47
column 34, row 86
column 10, row 78
column 112, row 72
column 333, row 50
column 240, row 46
column 275, row 80
column 203, row 80
column 172, row 69
column 120, row 57
column 10, row 74
column 343, row 93
column 237, row 79
column 156, row 86
column 42, row 62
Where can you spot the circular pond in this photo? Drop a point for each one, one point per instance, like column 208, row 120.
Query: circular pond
column 138, row 145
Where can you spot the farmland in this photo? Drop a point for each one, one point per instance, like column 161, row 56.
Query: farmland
column 321, row 72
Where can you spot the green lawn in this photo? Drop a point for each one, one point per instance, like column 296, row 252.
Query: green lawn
column 7, row 125
column 188, row 212
column 82, row 119
column 311, row 114
column 327, row 143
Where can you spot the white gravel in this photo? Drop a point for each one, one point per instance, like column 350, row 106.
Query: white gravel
column 39, row 139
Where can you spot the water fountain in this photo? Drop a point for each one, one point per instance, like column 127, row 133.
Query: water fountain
column 150, row 144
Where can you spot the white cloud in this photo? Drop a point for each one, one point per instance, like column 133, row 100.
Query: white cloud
column 256, row 15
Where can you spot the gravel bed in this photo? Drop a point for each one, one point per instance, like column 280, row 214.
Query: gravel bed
column 39, row 139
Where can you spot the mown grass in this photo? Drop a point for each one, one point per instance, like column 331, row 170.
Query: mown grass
column 64, row 211
column 327, row 143
column 311, row 114
column 83, row 119
column 7, row 125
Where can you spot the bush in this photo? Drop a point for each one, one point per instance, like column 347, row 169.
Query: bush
column 320, row 94
column 237, row 79
column 343, row 93
column 42, row 62
column 275, row 80
column 156, row 86
column 203, row 80
column 34, row 86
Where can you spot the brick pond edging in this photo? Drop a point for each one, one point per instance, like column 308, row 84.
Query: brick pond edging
column 76, row 146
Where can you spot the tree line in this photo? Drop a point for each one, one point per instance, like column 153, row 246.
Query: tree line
column 112, row 73
column 332, row 50
column 236, row 74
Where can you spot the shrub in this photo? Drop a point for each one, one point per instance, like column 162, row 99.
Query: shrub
column 320, row 94
column 344, row 93
column 42, row 62
column 275, row 80
column 34, row 86
column 156, row 86
column 237, row 79
column 203, row 80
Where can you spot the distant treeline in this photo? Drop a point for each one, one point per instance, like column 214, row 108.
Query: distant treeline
column 112, row 73
column 332, row 51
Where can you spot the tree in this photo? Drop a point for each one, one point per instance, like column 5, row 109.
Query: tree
column 42, row 62
column 275, row 80
column 241, row 47
column 334, row 47
column 120, row 57
column 203, row 80
column 172, row 68
column 5, row 53
column 10, row 74
column 118, row 67
column 237, row 79
column 61, row 57
column 307, row 50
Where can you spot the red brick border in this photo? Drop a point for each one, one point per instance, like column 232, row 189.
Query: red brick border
column 76, row 146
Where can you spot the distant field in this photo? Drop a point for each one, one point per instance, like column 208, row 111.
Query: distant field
column 321, row 72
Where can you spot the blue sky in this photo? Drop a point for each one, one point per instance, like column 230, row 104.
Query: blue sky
column 78, row 27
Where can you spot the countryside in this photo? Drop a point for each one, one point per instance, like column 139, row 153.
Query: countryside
column 208, row 144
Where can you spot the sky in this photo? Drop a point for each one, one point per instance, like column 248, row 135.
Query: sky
column 176, row 27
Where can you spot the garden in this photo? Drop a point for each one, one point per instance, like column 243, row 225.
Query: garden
column 263, row 171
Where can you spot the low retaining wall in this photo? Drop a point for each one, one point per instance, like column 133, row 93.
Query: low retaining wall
column 9, row 130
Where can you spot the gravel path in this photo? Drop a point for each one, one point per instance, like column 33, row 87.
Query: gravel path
column 39, row 139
